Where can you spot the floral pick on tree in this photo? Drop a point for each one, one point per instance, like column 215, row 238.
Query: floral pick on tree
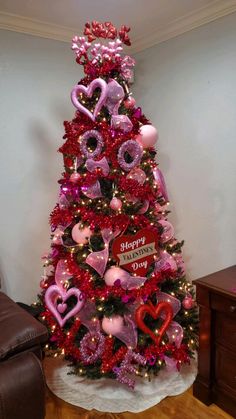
column 114, row 293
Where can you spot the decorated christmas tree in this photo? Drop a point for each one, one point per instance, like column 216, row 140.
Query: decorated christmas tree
column 114, row 293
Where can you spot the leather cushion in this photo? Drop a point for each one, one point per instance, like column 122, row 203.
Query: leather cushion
column 22, row 388
column 19, row 330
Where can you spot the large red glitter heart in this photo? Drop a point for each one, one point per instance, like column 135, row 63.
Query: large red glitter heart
column 154, row 311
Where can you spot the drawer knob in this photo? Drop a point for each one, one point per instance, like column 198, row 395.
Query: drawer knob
column 232, row 309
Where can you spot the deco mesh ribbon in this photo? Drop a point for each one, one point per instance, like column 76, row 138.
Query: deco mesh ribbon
column 175, row 330
column 98, row 260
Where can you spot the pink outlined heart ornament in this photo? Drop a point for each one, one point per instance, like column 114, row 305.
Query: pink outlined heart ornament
column 51, row 297
column 88, row 91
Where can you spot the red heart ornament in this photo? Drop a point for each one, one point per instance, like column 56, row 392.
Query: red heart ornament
column 135, row 253
column 154, row 311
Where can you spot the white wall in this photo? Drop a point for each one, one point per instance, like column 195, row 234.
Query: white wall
column 35, row 83
column 187, row 86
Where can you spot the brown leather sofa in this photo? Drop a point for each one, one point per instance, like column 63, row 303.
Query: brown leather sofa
column 22, row 385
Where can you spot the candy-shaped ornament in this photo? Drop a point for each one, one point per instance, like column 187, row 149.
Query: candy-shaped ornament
column 148, row 136
column 80, row 234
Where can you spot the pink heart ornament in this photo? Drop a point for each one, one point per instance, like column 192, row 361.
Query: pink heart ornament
column 51, row 295
column 62, row 308
column 88, row 91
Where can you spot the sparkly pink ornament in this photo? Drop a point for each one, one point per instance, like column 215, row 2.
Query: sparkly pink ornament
column 114, row 274
column 130, row 103
column 168, row 231
column 188, row 302
column 127, row 368
column 112, row 325
column 92, row 346
column 81, row 235
column 148, row 136
column 74, row 177
column 137, row 174
column 116, row 204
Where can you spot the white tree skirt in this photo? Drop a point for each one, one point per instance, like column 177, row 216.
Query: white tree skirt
column 107, row 395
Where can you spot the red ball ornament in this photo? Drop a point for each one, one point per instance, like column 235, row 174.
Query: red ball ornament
column 74, row 177
column 130, row 103
column 188, row 302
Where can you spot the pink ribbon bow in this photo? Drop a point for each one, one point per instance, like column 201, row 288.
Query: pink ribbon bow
column 92, row 165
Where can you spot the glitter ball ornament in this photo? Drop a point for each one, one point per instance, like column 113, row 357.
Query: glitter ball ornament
column 116, row 204
column 112, row 325
column 81, row 235
column 148, row 136
column 188, row 302
column 74, row 177
column 130, row 102
column 114, row 274
column 137, row 174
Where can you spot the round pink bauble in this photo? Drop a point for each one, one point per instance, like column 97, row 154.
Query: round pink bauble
column 137, row 174
column 188, row 302
column 81, row 235
column 168, row 231
column 113, row 274
column 74, row 177
column 116, row 204
column 130, row 102
column 112, row 325
column 148, row 136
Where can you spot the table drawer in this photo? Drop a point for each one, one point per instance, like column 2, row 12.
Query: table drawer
column 225, row 330
column 223, row 304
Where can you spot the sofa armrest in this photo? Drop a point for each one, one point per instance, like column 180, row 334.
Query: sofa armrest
column 22, row 388
column 19, row 330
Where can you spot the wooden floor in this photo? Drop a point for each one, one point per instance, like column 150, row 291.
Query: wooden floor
column 184, row 406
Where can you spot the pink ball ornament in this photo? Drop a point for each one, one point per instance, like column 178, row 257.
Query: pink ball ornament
column 148, row 136
column 113, row 274
column 74, row 177
column 188, row 302
column 130, row 103
column 116, row 204
column 81, row 235
column 137, row 174
column 112, row 325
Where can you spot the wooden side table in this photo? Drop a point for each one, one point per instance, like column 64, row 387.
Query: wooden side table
column 216, row 379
